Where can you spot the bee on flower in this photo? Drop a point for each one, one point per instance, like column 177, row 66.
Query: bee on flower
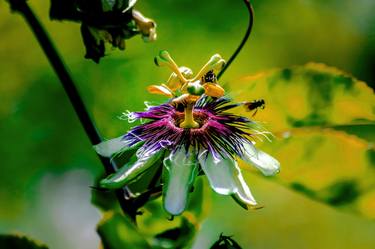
column 193, row 133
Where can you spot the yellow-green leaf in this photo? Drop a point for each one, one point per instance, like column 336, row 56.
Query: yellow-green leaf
column 330, row 166
column 314, row 112
column 310, row 95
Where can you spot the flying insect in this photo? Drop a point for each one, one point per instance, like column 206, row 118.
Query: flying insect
column 255, row 105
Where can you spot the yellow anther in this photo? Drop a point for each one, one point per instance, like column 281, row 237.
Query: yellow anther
column 174, row 81
column 162, row 90
column 213, row 90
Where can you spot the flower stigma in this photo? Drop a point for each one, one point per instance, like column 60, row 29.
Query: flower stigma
column 187, row 89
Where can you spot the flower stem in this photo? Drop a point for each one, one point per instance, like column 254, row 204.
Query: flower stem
column 66, row 80
column 244, row 40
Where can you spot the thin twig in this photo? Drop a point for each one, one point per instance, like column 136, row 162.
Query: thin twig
column 244, row 40
column 66, row 80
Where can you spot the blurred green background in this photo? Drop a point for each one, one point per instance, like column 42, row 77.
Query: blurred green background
column 47, row 161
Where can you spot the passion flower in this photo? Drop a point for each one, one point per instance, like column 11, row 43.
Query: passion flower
column 194, row 132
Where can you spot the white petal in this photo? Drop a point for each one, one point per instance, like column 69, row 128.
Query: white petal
column 130, row 171
column 225, row 177
column 110, row 147
column 261, row 160
column 243, row 192
column 219, row 173
column 180, row 171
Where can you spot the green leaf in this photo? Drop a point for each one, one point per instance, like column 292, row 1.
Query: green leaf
column 19, row 242
column 118, row 232
column 305, row 96
column 324, row 123
column 364, row 131
column 329, row 166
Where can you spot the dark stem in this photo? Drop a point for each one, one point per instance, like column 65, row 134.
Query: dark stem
column 66, row 80
column 244, row 40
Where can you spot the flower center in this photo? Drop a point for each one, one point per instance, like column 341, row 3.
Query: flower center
column 199, row 117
